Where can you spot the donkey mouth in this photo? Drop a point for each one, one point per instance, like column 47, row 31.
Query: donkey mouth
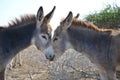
column 50, row 58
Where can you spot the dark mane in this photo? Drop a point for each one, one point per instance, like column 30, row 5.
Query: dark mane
column 26, row 19
column 1, row 27
column 89, row 25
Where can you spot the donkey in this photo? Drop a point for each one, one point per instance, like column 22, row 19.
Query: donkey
column 22, row 33
column 16, row 60
column 101, row 46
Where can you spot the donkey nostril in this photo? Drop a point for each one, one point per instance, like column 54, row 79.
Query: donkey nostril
column 51, row 57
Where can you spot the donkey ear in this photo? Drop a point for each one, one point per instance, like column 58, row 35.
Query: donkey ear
column 40, row 14
column 50, row 14
column 77, row 16
column 67, row 21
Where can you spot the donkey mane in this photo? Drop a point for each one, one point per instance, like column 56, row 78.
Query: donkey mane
column 26, row 19
column 1, row 27
column 89, row 25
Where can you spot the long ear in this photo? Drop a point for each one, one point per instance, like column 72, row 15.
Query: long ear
column 77, row 16
column 67, row 21
column 40, row 14
column 50, row 14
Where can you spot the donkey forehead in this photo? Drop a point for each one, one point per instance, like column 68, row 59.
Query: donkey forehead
column 57, row 31
column 49, row 28
column 46, row 28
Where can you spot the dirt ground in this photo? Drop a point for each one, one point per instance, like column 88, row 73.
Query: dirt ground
column 71, row 66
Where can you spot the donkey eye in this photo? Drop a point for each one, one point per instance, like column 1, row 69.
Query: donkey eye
column 44, row 37
column 55, row 39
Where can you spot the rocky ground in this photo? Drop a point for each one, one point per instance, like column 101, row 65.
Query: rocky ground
column 71, row 66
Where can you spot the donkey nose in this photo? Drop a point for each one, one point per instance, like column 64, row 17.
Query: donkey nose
column 50, row 57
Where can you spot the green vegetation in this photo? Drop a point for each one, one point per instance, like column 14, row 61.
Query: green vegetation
column 109, row 17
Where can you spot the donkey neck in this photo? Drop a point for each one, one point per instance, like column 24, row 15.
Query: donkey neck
column 89, row 41
column 17, row 38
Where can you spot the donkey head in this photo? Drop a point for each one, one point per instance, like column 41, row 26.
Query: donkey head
column 42, row 34
column 60, row 40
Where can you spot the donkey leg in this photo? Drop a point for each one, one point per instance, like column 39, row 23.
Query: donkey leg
column 108, row 73
column 111, row 74
column 2, row 74
column 103, row 75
